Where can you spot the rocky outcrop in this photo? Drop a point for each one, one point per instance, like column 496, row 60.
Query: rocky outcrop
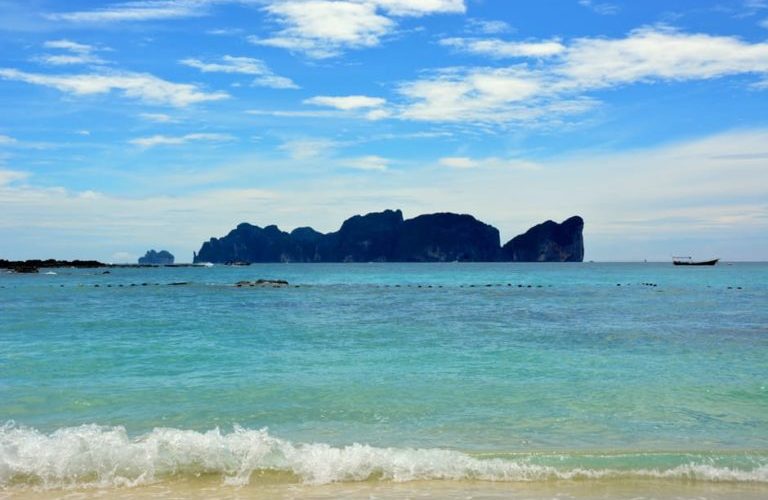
column 161, row 258
column 387, row 237
column 364, row 238
column 447, row 237
column 262, row 283
column 548, row 242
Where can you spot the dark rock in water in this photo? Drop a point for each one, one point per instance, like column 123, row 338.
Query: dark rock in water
column 23, row 269
column 263, row 283
column 160, row 258
column 548, row 242
column 387, row 237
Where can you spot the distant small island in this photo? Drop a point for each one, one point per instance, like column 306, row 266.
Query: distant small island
column 387, row 237
column 161, row 258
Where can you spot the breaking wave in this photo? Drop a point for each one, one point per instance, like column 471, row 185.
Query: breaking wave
column 100, row 456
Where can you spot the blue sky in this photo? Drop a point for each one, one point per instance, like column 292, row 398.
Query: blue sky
column 146, row 124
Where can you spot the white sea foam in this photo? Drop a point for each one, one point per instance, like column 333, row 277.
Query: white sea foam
column 92, row 455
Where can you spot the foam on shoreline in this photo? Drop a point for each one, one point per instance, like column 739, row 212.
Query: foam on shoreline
column 92, row 456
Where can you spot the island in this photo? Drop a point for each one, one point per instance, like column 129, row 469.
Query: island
column 388, row 237
column 161, row 258
column 34, row 265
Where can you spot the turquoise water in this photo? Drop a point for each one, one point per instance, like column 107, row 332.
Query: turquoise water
column 501, row 372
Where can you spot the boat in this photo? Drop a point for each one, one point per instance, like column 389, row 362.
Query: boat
column 688, row 261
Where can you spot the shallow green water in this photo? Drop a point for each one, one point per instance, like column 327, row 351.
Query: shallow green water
column 438, row 371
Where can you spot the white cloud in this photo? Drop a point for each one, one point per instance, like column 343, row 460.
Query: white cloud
column 306, row 149
column 274, row 82
column 378, row 114
column 560, row 84
column 649, row 54
column 142, row 86
column 458, row 162
column 68, row 45
column 347, row 103
column 370, row 162
column 164, row 140
column 602, row 8
column 294, row 114
column 764, row 23
column 139, row 10
column 491, row 95
column 486, row 27
column 465, row 162
column 356, row 23
column 225, row 31
column 307, row 28
column 230, row 64
column 244, row 66
column 10, row 176
column 66, row 59
column 500, row 49
column 5, row 139
column 421, row 7
column 79, row 53
column 157, row 117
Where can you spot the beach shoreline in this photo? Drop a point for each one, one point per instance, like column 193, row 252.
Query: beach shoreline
column 213, row 487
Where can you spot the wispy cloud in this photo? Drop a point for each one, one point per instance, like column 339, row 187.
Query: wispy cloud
column 75, row 53
column 602, row 8
column 142, row 86
column 421, row 7
column 5, row 139
column 157, row 117
column 562, row 83
column 356, row 24
column 68, row 45
column 487, row 27
column 225, row 31
column 164, row 140
column 465, row 162
column 140, row 10
column 10, row 176
column 347, row 102
column 308, row 148
column 243, row 66
column 501, row 49
column 370, row 162
column 294, row 113
column 373, row 106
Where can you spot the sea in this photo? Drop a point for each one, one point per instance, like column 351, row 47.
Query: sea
column 385, row 380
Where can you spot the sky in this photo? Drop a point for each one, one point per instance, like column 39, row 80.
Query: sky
column 130, row 125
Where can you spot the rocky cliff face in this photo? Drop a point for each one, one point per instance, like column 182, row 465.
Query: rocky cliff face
column 160, row 258
column 447, row 237
column 387, row 237
column 548, row 242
